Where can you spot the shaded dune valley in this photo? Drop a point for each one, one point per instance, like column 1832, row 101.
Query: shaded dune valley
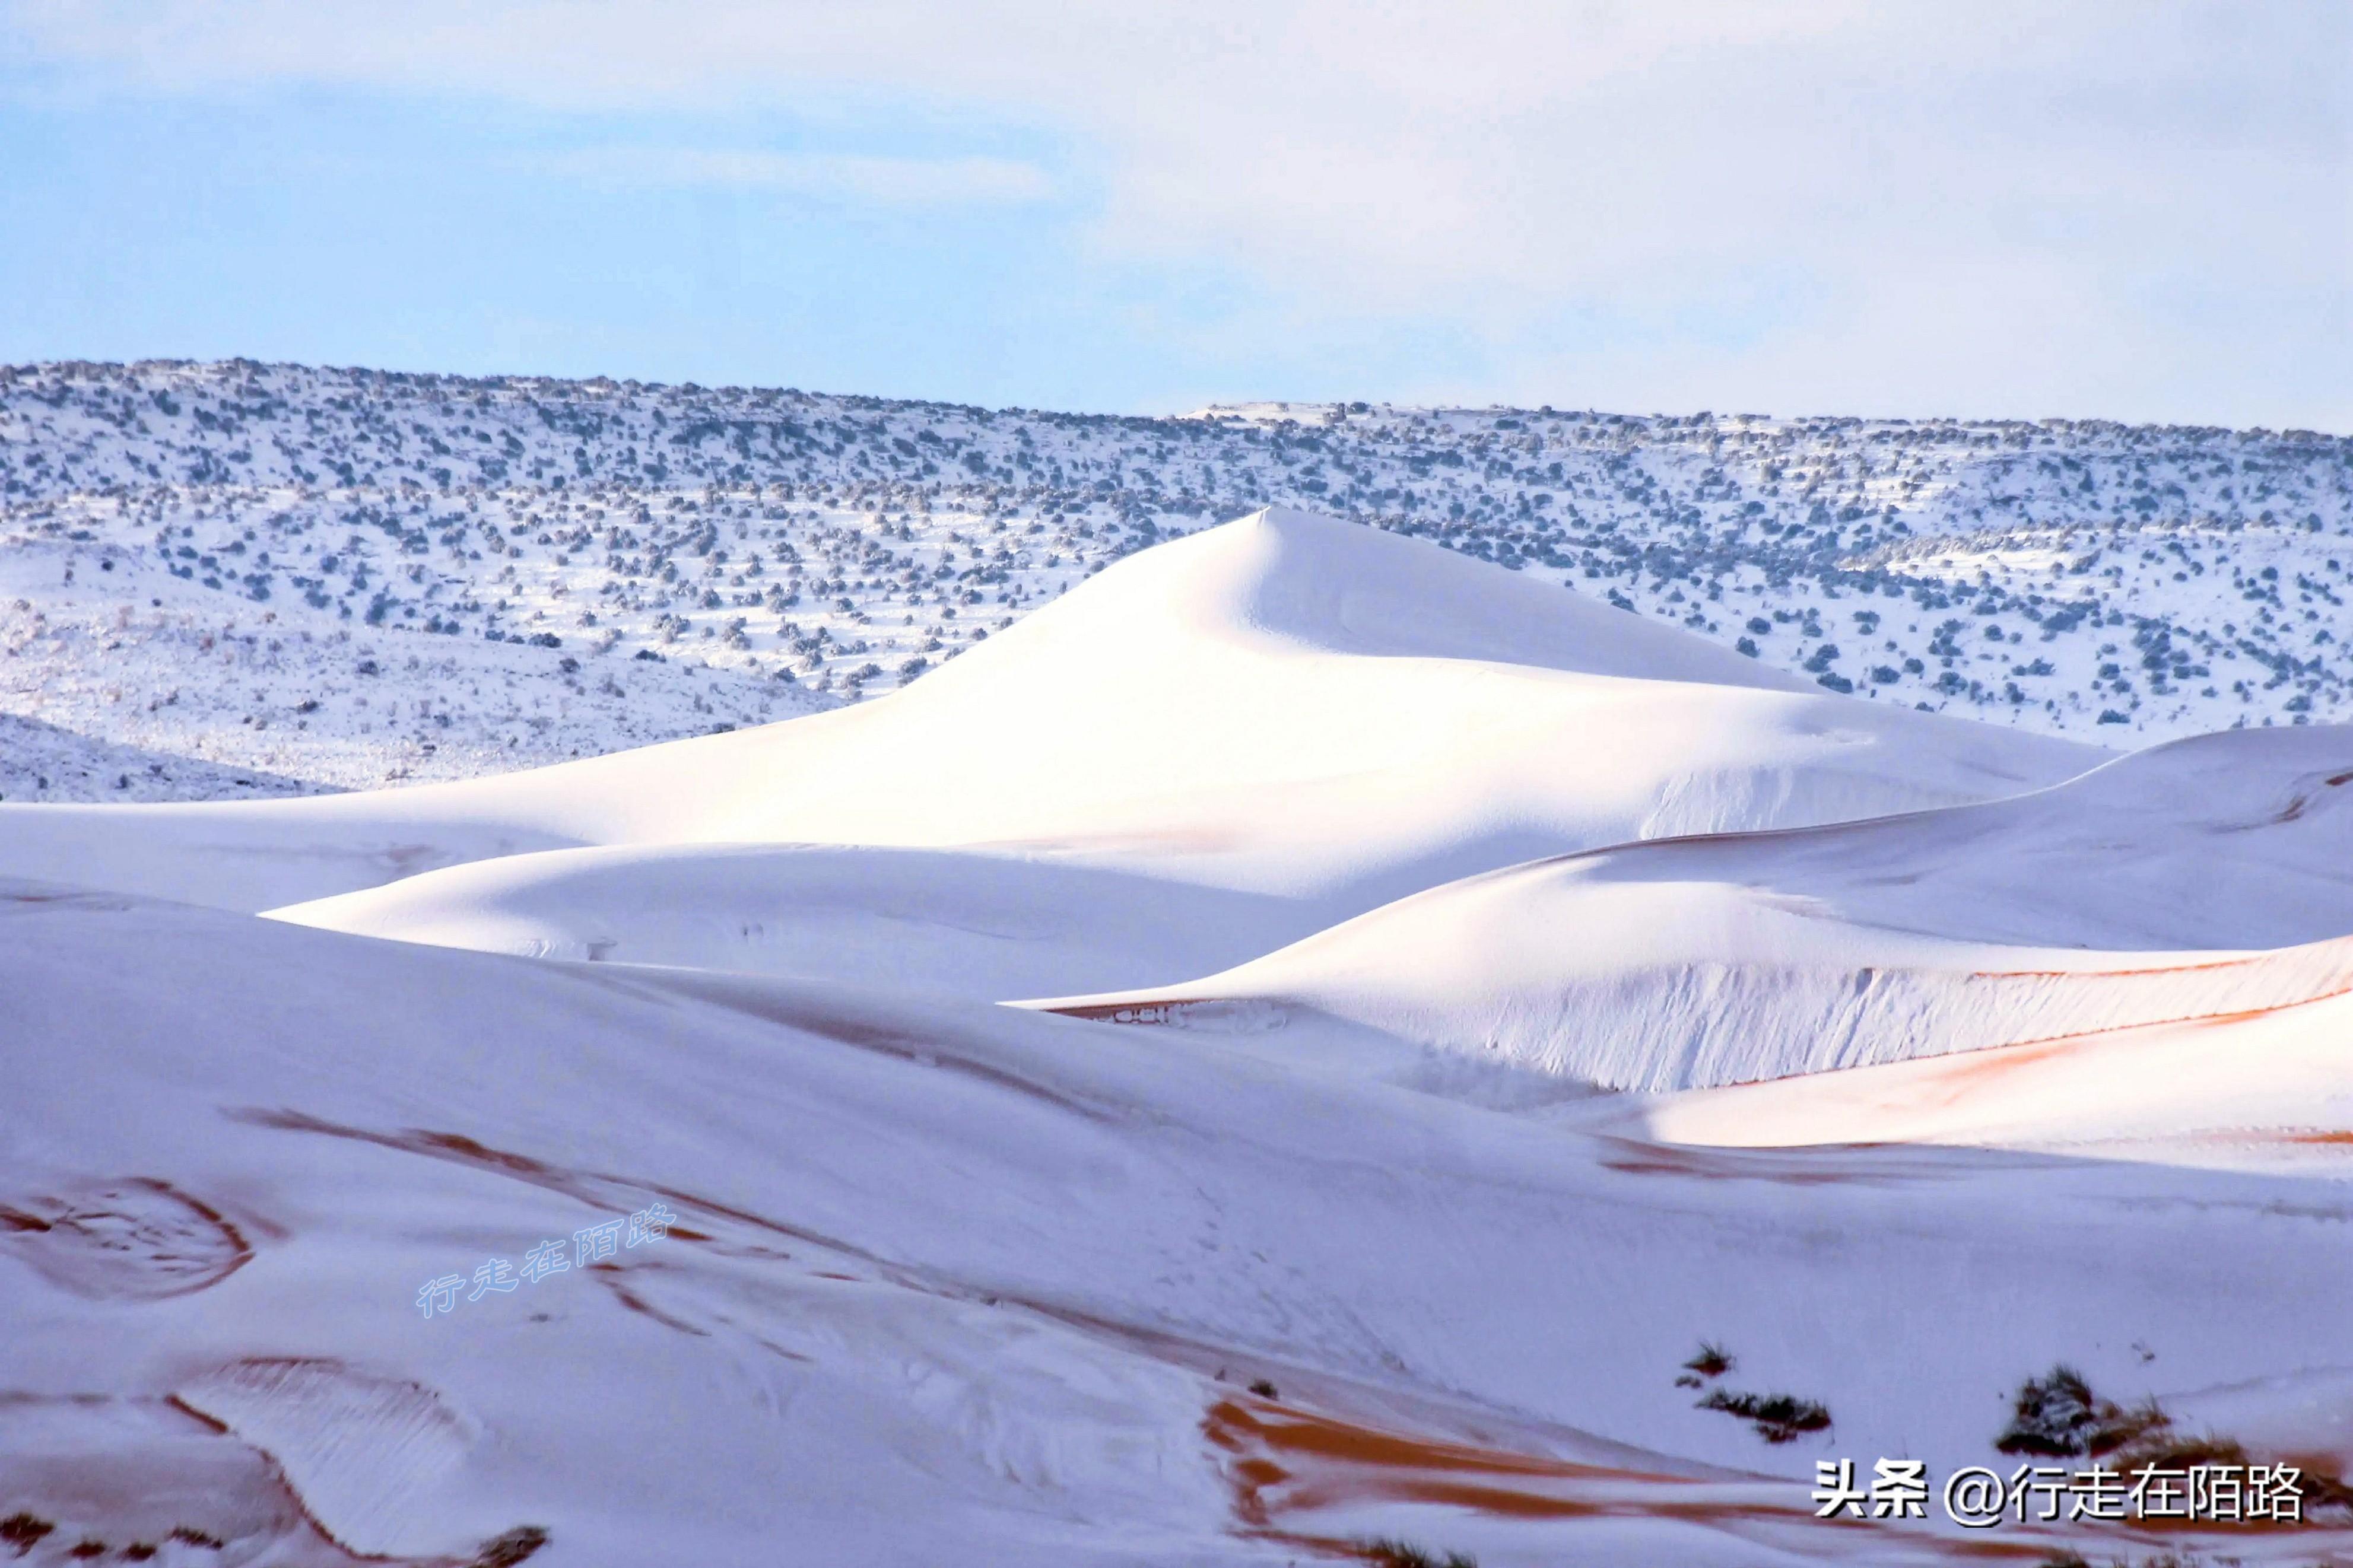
column 1309, row 1048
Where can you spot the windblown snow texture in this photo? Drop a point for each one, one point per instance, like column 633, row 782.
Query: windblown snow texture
column 1298, row 1040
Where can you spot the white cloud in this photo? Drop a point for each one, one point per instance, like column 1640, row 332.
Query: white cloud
column 836, row 176
column 2114, row 205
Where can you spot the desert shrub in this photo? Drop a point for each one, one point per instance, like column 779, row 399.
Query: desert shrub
column 1385, row 1552
column 2058, row 1415
column 1777, row 1417
column 507, row 1550
column 24, row 1531
column 1712, row 1360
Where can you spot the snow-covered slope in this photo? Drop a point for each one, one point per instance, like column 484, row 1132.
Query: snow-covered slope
column 2243, row 838
column 986, row 926
column 349, row 578
column 2268, row 1087
column 1310, row 717
column 1677, row 987
column 1734, row 957
column 950, row 1282
column 859, row 1266
column 1212, row 710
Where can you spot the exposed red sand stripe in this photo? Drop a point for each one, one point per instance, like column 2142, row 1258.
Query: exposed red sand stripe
column 1972, row 1060
column 2123, row 974
column 1285, row 1463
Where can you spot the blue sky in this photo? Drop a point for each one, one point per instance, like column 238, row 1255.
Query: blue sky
column 2139, row 211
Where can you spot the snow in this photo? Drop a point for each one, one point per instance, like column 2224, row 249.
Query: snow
column 2269, row 1087
column 1221, row 714
column 197, row 559
column 936, row 1260
column 1731, row 957
column 1211, row 715
column 1563, row 989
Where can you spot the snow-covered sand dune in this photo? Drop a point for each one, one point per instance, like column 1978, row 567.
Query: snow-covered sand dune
column 231, row 561
column 1729, row 958
column 1311, row 717
column 1679, row 987
column 1286, row 705
column 2243, row 838
column 986, row 926
column 2266, row 1088
column 951, row 1282
column 945, row 1280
